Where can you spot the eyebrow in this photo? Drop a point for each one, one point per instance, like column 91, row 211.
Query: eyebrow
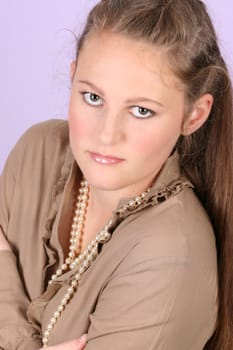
column 133, row 100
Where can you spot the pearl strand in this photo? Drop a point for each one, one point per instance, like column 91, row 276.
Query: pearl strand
column 76, row 229
column 88, row 256
column 84, row 259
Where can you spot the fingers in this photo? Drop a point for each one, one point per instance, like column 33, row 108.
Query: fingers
column 80, row 343
column 4, row 245
column 77, row 344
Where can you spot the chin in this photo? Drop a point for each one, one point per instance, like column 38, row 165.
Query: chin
column 105, row 185
column 103, row 177
column 104, row 180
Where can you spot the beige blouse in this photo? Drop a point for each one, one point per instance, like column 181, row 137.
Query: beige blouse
column 153, row 285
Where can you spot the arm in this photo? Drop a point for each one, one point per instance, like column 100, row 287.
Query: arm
column 24, row 207
column 15, row 331
column 78, row 344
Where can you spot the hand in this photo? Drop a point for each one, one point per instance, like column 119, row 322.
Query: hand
column 77, row 344
column 4, row 245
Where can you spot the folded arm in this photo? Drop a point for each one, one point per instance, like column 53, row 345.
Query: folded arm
column 15, row 331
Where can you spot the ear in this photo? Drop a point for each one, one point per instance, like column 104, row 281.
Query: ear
column 199, row 114
column 72, row 70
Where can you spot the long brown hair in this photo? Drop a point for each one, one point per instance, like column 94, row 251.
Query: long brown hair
column 184, row 30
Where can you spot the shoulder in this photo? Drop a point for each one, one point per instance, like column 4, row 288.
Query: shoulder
column 48, row 132
column 176, row 230
column 42, row 143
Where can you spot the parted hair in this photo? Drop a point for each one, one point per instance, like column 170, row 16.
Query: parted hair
column 183, row 29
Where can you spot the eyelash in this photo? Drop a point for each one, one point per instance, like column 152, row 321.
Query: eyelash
column 143, row 109
column 85, row 93
column 151, row 113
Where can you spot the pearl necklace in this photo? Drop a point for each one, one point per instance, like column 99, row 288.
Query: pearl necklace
column 85, row 259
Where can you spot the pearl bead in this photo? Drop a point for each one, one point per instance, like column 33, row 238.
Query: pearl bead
column 73, row 234
column 82, row 269
column 46, row 333
column 60, row 308
column 93, row 244
column 71, row 254
column 70, row 290
column 56, row 314
column 89, row 248
column 72, row 240
column 74, row 283
column 53, row 320
column 45, row 342
column 68, row 261
column 75, row 219
column 85, row 264
column 63, row 302
column 89, row 257
column 77, row 276
column 72, row 247
column 81, row 256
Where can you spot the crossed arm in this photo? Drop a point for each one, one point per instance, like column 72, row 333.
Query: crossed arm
column 77, row 344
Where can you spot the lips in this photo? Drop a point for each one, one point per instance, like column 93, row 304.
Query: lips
column 105, row 159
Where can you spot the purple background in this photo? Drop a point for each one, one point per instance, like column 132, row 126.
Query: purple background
column 35, row 52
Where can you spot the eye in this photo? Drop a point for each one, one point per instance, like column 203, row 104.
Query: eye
column 92, row 99
column 141, row 112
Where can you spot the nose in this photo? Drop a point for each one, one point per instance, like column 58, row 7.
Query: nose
column 111, row 129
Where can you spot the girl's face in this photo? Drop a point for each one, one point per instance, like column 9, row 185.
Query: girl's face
column 125, row 114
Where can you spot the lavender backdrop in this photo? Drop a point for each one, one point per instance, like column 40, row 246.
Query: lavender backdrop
column 35, row 52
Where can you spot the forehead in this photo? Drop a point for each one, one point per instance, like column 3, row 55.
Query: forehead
column 121, row 57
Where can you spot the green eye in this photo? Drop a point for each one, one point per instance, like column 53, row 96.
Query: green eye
column 92, row 99
column 141, row 112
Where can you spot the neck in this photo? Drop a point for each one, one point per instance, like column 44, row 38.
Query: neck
column 104, row 202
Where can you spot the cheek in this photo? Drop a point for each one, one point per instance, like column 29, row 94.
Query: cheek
column 78, row 127
column 158, row 138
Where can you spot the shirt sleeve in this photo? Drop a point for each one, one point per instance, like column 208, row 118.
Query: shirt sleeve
column 153, row 304
column 15, row 331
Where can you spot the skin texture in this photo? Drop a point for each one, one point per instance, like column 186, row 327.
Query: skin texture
column 121, row 73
